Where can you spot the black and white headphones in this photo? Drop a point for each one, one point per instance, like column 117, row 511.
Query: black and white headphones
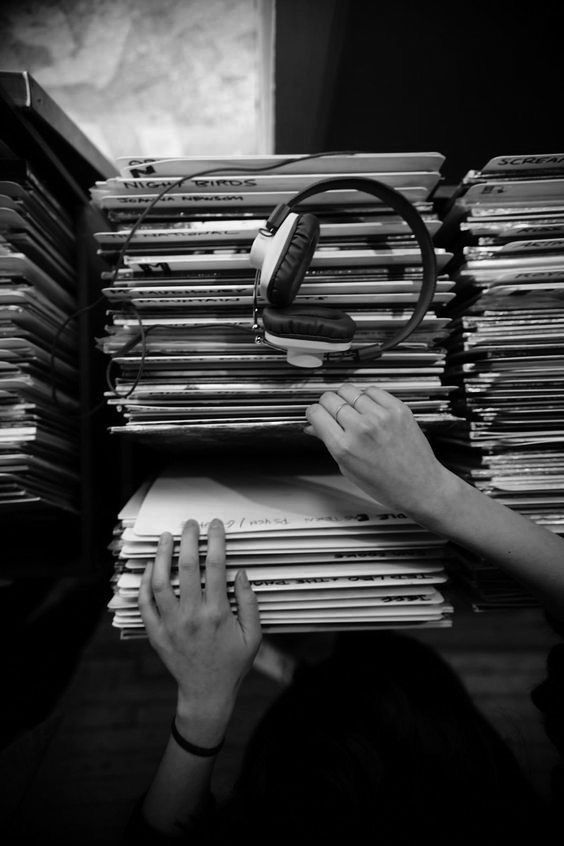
column 282, row 252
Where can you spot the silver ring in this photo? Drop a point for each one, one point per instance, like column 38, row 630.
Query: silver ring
column 356, row 399
column 340, row 409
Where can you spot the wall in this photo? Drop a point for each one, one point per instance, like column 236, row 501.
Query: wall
column 471, row 80
column 151, row 77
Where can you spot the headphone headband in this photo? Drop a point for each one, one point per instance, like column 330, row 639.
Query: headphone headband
column 407, row 211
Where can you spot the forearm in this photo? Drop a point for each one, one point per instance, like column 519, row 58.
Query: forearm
column 181, row 786
column 377, row 443
column 208, row 650
column 178, row 792
column 530, row 553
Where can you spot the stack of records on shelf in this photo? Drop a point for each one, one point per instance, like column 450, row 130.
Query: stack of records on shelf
column 183, row 274
column 319, row 553
column 38, row 385
column 506, row 349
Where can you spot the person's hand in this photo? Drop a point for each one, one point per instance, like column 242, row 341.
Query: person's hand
column 377, row 443
column 204, row 645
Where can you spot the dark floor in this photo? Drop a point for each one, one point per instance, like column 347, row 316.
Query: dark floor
column 74, row 777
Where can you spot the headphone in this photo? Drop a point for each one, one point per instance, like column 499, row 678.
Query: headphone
column 282, row 252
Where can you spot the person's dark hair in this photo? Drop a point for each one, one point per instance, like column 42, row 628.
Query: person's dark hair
column 382, row 741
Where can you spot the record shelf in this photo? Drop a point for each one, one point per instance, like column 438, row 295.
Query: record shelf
column 37, row 134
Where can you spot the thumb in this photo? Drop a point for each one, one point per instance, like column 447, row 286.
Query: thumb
column 247, row 609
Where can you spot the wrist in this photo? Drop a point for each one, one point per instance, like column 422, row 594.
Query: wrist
column 194, row 748
column 436, row 510
column 202, row 726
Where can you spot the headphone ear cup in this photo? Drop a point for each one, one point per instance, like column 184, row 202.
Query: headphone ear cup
column 307, row 333
column 293, row 262
column 310, row 323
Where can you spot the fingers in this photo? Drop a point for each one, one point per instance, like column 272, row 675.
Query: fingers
column 146, row 605
column 329, row 417
column 364, row 399
column 247, row 609
column 343, row 413
column 348, row 409
column 371, row 400
column 346, row 406
column 189, row 566
column 351, row 393
column 160, row 577
column 383, row 398
column 323, row 425
column 216, row 581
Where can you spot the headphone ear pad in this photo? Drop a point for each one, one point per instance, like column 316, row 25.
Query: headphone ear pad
column 292, row 264
column 309, row 323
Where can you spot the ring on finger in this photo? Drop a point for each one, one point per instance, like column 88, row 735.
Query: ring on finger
column 343, row 404
column 356, row 399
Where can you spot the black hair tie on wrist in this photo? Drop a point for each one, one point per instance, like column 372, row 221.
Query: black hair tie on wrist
column 200, row 751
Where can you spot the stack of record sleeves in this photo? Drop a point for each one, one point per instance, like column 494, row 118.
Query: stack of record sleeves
column 180, row 290
column 318, row 552
column 506, row 349
column 38, row 384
